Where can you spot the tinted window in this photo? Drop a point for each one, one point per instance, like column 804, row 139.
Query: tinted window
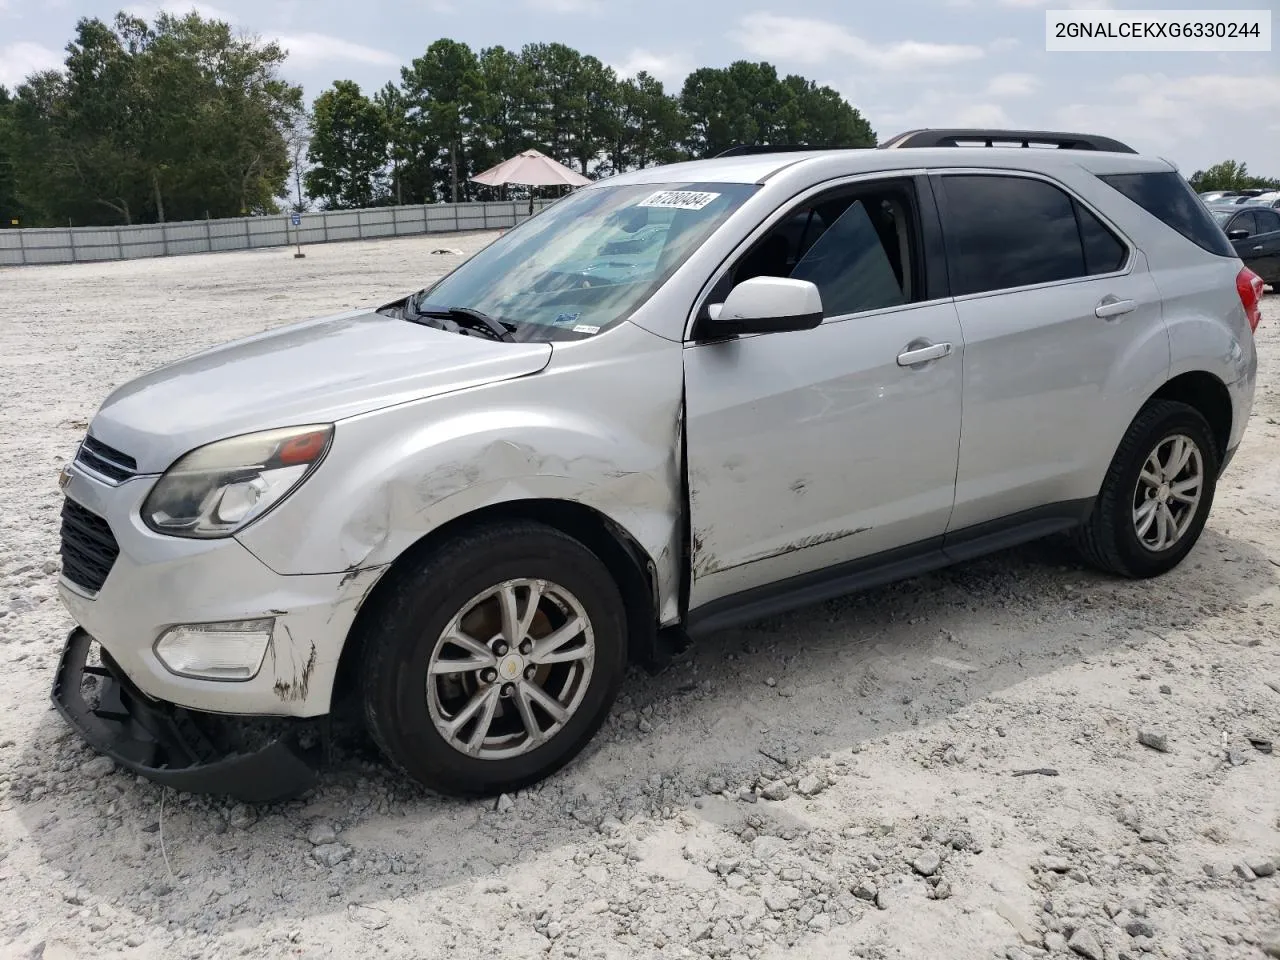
column 1103, row 250
column 1169, row 197
column 1009, row 232
column 856, row 246
column 1242, row 221
column 1268, row 221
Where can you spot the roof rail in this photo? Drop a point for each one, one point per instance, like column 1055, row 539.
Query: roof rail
column 751, row 149
column 1019, row 138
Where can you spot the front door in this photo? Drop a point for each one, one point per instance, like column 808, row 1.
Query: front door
column 811, row 448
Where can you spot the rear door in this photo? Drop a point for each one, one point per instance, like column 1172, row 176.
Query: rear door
column 1057, row 310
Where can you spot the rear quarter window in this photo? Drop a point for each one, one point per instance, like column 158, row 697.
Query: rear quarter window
column 1169, row 198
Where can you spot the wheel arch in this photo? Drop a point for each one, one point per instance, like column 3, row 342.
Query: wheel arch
column 1207, row 393
column 627, row 561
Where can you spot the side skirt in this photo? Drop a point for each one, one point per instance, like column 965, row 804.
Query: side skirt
column 901, row 563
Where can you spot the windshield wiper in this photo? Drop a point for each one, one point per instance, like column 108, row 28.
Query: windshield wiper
column 463, row 317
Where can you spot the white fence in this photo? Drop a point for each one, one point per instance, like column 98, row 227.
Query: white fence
column 87, row 244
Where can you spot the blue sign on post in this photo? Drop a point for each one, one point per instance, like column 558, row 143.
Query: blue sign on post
column 296, row 219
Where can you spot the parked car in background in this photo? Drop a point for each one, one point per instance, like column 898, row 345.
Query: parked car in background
column 1271, row 199
column 1254, row 232
column 1232, row 196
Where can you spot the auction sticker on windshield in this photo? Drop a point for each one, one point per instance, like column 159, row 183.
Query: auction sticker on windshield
column 678, row 199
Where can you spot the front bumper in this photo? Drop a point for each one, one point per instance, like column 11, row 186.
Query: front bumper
column 185, row 749
column 158, row 582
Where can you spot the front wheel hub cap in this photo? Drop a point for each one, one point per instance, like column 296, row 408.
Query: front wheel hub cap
column 495, row 706
column 511, row 667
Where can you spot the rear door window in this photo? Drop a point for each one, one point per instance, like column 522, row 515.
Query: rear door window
column 1008, row 231
column 1267, row 220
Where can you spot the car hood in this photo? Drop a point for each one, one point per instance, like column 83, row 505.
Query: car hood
column 317, row 371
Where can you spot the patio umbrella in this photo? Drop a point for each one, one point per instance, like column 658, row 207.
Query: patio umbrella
column 531, row 169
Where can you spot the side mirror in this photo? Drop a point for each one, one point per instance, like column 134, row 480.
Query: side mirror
column 1238, row 235
column 764, row 305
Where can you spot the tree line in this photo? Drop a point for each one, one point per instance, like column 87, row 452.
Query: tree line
column 457, row 112
column 146, row 123
column 1230, row 175
column 182, row 119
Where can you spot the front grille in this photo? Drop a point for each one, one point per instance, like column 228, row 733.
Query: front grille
column 106, row 461
column 89, row 548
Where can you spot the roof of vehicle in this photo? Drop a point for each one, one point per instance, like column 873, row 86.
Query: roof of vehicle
column 759, row 167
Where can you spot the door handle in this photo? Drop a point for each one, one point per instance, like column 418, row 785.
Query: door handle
column 918, row 355
column 1257, row 248
column 1114, row 307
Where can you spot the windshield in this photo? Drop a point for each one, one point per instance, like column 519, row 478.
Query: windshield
column 1222, row 216
column 590, row 260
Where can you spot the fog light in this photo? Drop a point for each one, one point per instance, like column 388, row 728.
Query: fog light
column 216, row 651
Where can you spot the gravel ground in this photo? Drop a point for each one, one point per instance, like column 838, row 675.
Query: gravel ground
column 840, row 782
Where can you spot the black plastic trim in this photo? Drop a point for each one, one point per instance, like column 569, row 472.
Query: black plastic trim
column 886, row 567
column 953, row 137
column 87, row 546
column 1227, row 458
column 106, row 461
column 933, row 247
column 995, row 535
column 169, row 744
column 719, row 328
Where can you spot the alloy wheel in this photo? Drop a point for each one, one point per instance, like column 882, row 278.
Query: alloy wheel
column 510, row 669
column 1168, row 492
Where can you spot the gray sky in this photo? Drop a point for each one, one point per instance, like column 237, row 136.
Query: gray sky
column 903, row 63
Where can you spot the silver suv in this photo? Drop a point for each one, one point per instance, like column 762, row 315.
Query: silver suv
column 676, row 400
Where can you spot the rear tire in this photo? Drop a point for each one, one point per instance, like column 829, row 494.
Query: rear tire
column 457, row 646
column 1157, row 494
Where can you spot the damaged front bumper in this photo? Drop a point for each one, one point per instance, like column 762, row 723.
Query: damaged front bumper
column 251, row 759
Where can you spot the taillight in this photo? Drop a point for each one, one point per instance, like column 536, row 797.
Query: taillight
column 1249, row 286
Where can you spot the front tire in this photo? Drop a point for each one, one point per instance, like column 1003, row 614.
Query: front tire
column 492, row 664
column 1157, row 494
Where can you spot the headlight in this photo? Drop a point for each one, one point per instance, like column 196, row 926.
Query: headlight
column 220, row 488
